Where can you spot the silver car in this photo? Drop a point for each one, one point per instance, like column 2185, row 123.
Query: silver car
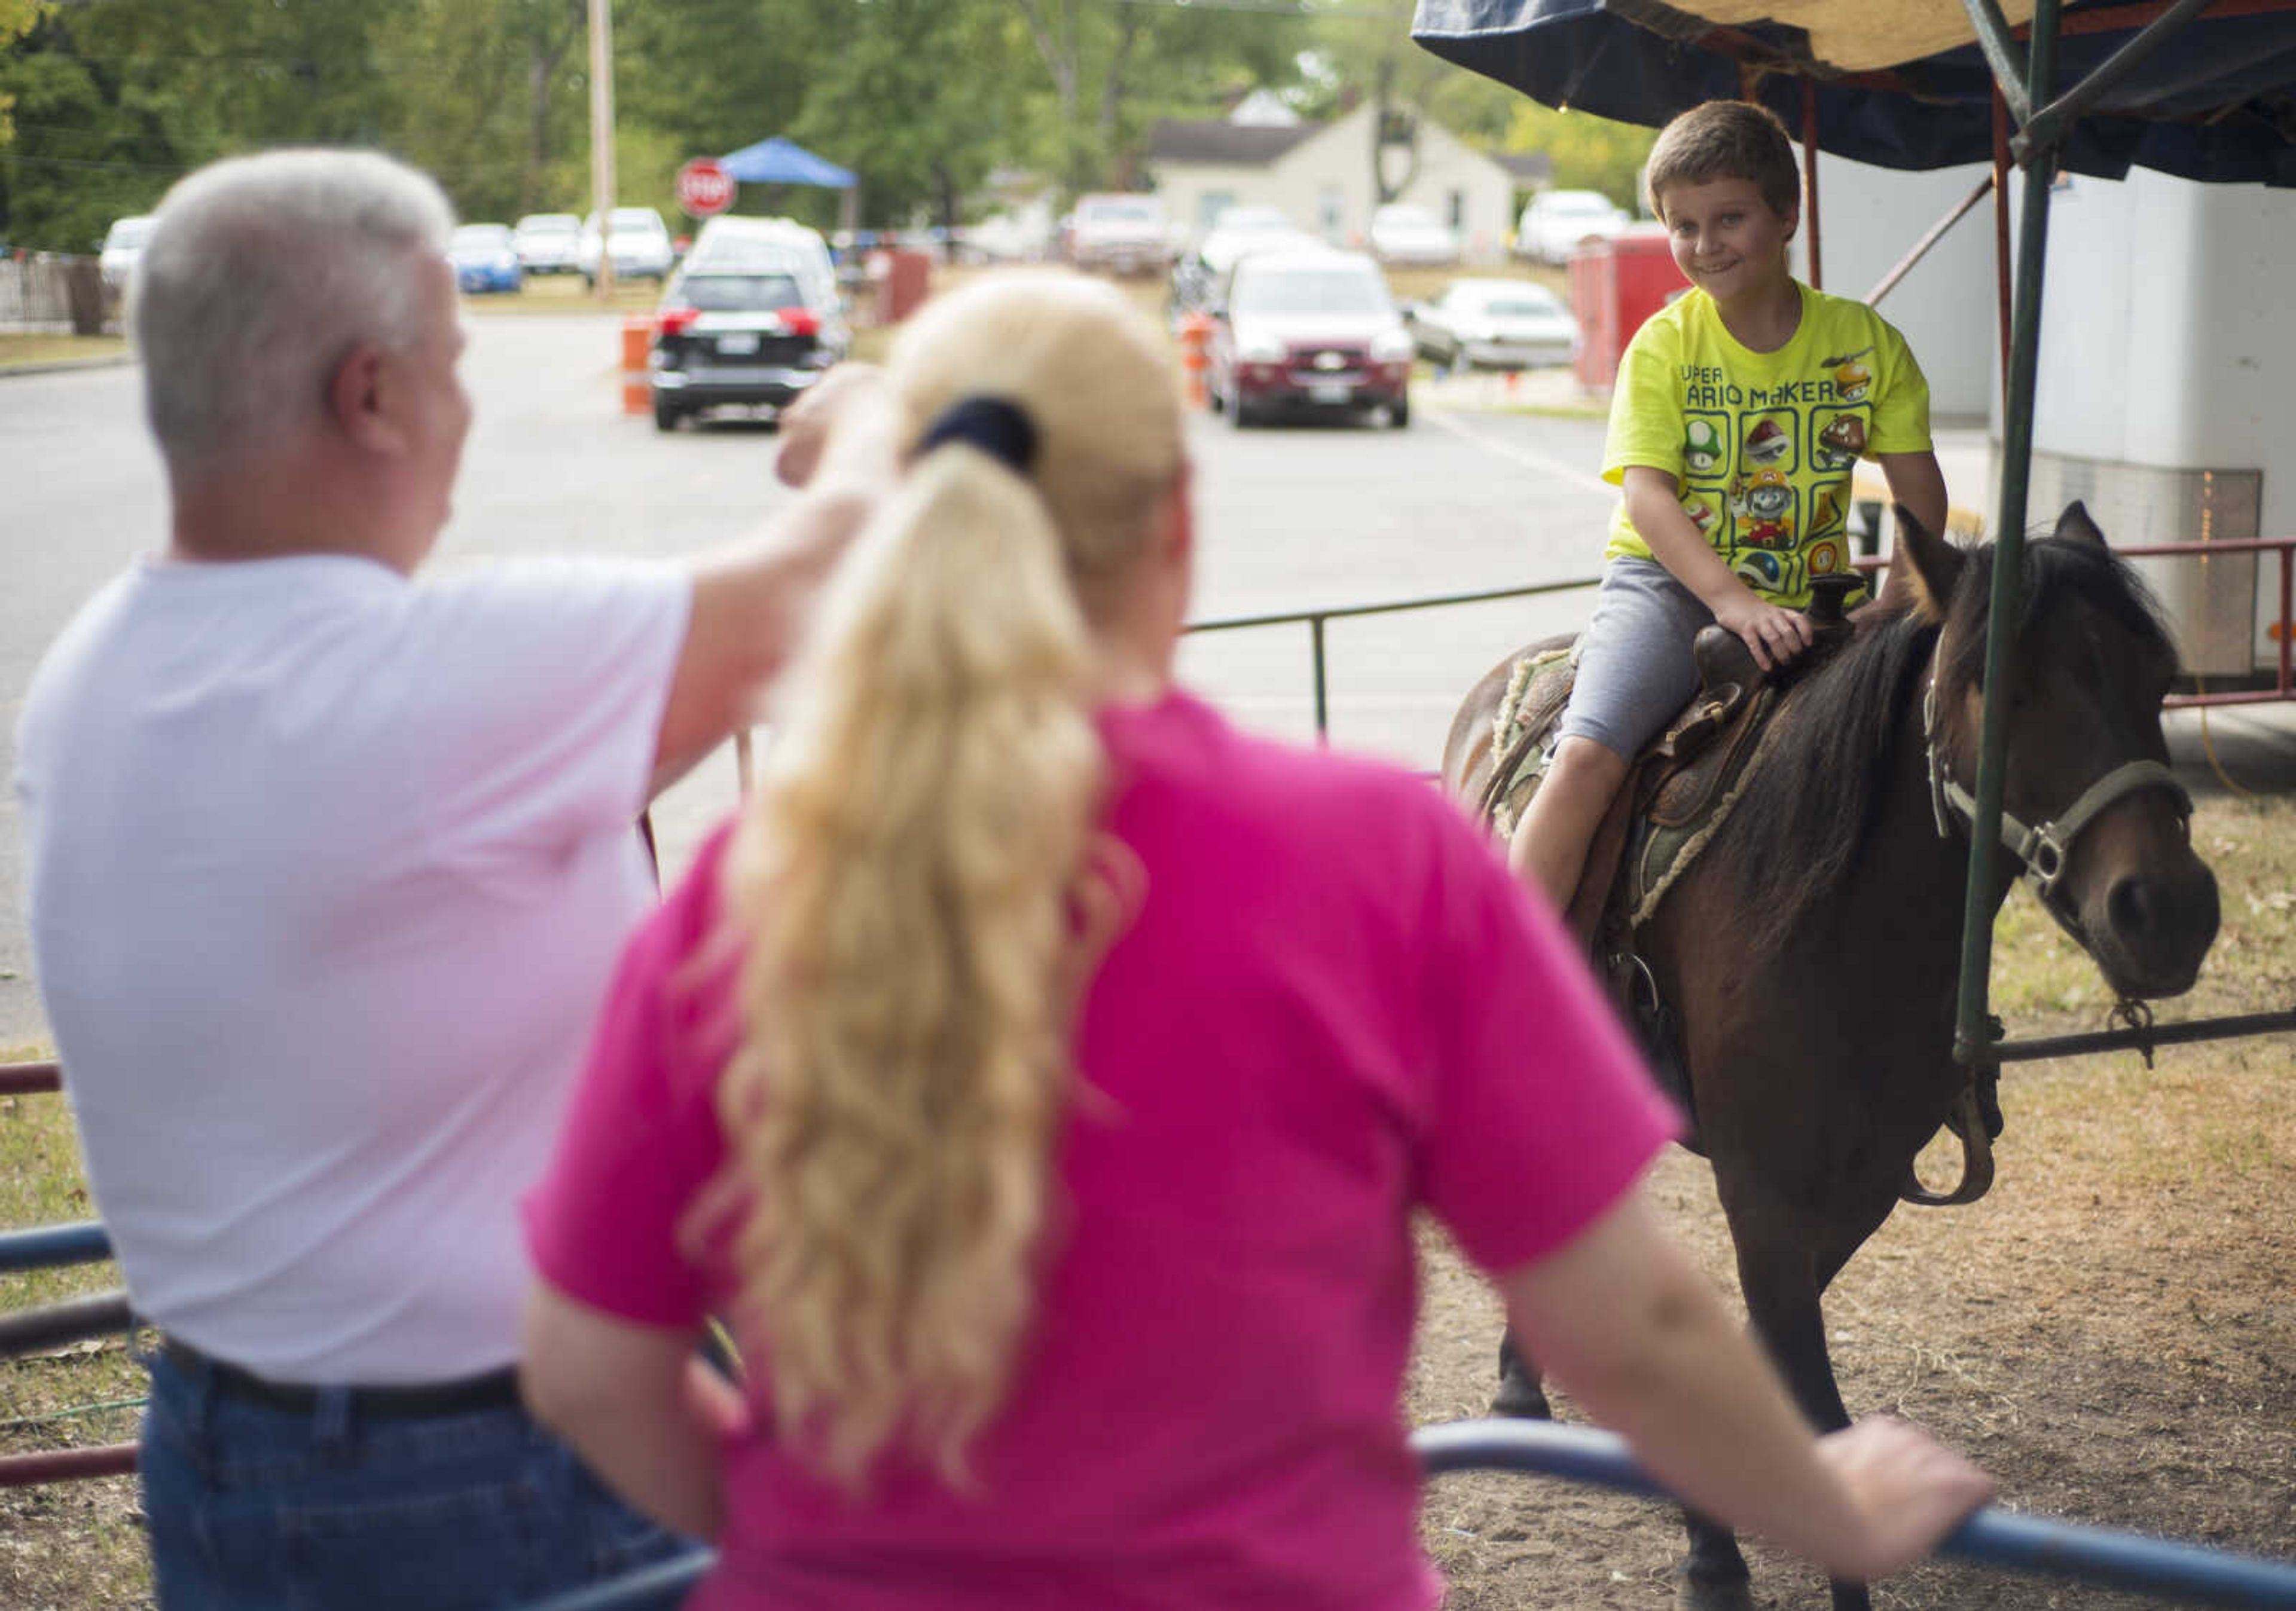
column 636, row 242
column 1494, row 324
column 549, row 243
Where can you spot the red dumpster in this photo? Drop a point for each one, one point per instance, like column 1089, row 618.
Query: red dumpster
column 909, row 275
column 1616, row 283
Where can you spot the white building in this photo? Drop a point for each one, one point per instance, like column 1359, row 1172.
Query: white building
column 1869, row 218
column 1319, row 176
column 2164, row 340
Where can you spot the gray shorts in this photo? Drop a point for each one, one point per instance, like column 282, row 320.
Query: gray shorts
column 1635, row 669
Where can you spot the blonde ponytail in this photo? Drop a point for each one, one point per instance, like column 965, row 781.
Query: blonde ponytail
column 927, row 806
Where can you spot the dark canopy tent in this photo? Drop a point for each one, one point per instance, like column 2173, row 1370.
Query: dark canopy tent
column 2215, row 103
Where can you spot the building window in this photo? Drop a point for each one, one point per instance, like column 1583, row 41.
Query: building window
column 1332, row 212
column 1210, row 205
column 1458, row 209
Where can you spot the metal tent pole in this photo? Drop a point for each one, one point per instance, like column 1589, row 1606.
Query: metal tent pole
column 1974, row 1035
column 1809, row 181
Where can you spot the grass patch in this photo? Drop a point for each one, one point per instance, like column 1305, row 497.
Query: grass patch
column 77, row 1544
column 40, row 1184
column 1425, row 284
column 2251, row 845
column 21, row 349
column 567, row 294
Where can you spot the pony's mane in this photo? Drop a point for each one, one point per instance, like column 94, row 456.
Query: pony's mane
column 1803, row 825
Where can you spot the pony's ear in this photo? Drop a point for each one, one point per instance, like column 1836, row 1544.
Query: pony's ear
column 1923, row 570
column 2074, row 523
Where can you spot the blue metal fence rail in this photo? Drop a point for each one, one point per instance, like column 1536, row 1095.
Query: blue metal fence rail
column 1314, row 620
column 45, row 1246
column 2098, row 1556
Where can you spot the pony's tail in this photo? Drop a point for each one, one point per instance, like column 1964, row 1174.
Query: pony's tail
column 928, row 801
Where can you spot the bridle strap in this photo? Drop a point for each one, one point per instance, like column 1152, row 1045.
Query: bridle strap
column 2042, row 851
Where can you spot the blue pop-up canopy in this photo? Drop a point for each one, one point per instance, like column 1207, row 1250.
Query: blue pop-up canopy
column 779, row 162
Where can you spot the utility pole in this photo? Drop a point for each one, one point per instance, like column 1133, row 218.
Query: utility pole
column 602, row 138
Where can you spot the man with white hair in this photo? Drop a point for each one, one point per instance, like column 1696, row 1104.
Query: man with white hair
column 328, row 871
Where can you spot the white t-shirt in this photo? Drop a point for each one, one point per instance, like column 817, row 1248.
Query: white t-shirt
column 328, row 870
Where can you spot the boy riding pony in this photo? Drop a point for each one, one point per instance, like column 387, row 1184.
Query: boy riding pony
column 1741, row 412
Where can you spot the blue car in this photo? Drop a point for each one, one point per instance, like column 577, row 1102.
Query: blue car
column 485, row 257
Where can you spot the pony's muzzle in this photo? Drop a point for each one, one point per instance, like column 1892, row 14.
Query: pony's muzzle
column 2156, row 930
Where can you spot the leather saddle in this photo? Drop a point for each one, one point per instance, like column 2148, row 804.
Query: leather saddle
column 1677, row 790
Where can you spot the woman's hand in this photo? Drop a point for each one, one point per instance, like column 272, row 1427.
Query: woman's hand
column 1908, row 1490
column 846, row 390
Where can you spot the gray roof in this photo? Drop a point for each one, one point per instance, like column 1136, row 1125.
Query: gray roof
column 1528, row 168
column 1218, row 141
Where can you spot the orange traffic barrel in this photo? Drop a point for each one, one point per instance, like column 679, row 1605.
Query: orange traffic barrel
column 637, row 338
column 1196, row 356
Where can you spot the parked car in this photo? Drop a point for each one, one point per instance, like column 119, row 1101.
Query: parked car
column 1311, row 330
column 1403, row 233
column 739, row 244
column 635, row 238
column 1122, row 233
column 485, row 257
column 123, row 245
column 1240, row 231
column 1199, row 274
column 1557, row 220
column 1494, row 324
column 549, row 243
column 1020, row 235
column 747, row 319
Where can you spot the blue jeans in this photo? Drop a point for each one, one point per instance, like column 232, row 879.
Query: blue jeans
column 252, row 1508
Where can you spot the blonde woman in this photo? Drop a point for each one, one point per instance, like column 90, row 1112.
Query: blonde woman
column 1043, row 1076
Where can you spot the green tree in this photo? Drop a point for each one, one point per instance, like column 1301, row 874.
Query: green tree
column 1369, row 50
column 71, row 164
column 490, row 106
column 16, row 20
column 116, row 98
column 915, row 98
column 1112, row 62
column 1588, row 152
column 711, row 76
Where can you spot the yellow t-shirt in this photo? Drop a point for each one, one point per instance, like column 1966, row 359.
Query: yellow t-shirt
column 1762, row 446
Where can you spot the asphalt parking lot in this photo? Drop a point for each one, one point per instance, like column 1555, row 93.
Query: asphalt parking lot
column 1493, row 487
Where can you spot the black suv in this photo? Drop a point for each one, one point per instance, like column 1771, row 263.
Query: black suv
column 729, row 337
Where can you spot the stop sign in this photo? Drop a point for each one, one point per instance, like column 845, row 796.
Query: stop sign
column 704, row 188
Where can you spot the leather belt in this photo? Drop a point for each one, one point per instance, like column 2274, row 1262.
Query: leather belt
column 496, row 1390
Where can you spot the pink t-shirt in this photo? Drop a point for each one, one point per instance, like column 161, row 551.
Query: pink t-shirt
column 1333, row 1006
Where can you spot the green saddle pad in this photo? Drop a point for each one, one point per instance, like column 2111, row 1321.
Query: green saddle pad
column 1662, row 844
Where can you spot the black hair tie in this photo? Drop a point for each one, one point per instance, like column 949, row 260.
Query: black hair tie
column 997, row 426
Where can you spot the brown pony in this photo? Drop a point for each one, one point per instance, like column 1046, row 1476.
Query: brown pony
column 1811, row 954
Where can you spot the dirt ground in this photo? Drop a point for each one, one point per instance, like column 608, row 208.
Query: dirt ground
column 2112, row 1332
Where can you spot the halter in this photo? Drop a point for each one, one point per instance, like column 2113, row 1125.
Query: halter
column 2043, row 850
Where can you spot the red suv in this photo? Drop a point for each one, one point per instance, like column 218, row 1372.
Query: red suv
column 1309, row 329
